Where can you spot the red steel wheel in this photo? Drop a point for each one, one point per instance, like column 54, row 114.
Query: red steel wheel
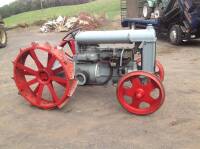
column 159, row 72
column 44, row 74
column 140, row 93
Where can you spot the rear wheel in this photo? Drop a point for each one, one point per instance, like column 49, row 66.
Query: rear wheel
column 3, row 37
column 175, row 35
column 159, row 70
column 39, row 71
column 146, row 12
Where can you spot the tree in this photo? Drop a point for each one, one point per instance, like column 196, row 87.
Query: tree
column 20, row 6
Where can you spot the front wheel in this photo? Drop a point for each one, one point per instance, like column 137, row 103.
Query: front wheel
column 3, row 37
column 175, row 35
column 140, row 93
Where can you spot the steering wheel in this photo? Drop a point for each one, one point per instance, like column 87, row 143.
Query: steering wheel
column 71, row 34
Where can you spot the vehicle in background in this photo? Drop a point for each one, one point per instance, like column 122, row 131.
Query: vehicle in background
column 3, row 34
column 178, row 19
column 153, row 7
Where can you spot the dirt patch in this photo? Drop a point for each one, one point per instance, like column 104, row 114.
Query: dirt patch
column 93, row 118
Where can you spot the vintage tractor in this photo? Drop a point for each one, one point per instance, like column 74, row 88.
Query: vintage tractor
column 86, row 58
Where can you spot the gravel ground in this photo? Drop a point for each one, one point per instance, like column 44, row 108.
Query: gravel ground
column 94, row 118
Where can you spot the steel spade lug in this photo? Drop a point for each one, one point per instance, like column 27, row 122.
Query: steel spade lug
column 14, row 62
column 34, row 44
column 21, row 50
column 60, row 106
column 74, row 84
column 43, row 78
column 47, row 44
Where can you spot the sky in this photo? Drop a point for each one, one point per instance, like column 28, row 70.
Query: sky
column 4, row 2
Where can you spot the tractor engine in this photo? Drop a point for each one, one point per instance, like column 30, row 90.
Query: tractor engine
column 96, row 64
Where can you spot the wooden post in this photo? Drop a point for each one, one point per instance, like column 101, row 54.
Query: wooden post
column 41, row 4
column 132, row 8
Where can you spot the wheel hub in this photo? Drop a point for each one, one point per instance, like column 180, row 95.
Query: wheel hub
column 173, row 35
column 139, row 94
column 157, row 14
column 44, row 76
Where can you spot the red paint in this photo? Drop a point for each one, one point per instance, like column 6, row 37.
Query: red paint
column 72, row 46
column 44, row 76
column 159, row 72
column 140, row 91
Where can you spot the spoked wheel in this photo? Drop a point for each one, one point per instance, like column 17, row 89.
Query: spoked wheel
column 140, row 93
column 159, row 72
column 39, row 70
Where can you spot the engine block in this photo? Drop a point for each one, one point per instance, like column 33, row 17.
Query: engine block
column 98, row 65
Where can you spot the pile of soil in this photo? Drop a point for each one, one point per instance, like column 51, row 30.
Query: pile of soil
column 65, row 24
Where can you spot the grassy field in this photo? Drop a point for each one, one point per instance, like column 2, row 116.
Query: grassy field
column 109, row 7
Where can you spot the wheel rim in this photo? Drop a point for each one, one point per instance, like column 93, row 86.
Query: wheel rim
column 157, row 14
column 173, row 36
column 141, row 99
column 145, row 11
column 3, row 36
column 43, row 76
column 159, row 70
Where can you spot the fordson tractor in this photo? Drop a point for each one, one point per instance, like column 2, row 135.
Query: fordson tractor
column 47, row 76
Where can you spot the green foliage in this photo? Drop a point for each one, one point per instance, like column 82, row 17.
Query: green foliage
column 20, row 6
column 110, row 8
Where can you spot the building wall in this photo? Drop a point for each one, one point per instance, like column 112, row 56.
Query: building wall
column 134, row 8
